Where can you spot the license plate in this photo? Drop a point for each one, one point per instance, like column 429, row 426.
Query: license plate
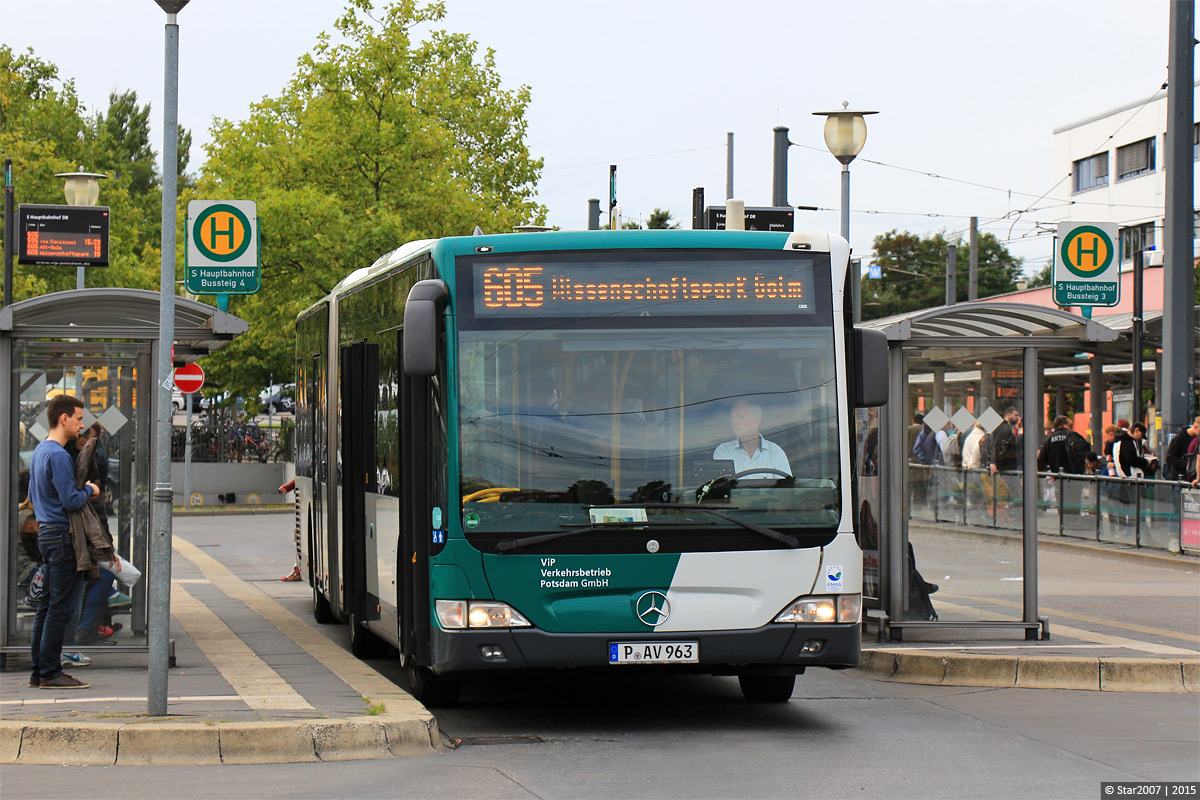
column 653, row 652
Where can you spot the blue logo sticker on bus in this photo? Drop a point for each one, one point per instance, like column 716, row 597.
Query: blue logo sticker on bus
column 439, row 537
column 833, row 578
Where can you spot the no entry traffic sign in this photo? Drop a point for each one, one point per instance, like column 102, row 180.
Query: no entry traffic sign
column 189, row 378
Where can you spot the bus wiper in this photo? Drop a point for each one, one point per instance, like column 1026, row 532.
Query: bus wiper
column 782, row 538
column 516, row 544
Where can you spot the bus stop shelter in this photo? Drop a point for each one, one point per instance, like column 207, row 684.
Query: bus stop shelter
column 101, row 346
column 961, row 366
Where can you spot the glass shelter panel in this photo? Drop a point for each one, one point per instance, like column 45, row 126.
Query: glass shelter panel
column 112, row 381
column 963, row 445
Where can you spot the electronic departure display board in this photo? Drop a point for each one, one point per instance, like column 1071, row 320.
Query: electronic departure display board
column 757, row 287
column 72, row 236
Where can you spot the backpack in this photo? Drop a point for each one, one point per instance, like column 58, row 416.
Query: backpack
column 1077, row 452
column 1190, row 475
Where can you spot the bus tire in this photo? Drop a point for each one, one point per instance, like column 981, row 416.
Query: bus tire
column 364, row 643
column 322, row 611
column 432, row 691
column 767, row 688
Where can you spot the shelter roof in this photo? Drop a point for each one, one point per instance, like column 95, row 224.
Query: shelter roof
column 975, row 323
column 117, row 313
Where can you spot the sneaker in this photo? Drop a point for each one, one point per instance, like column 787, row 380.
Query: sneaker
column 75, row 660
column 294, row 575
column 118, row 600
column 63, row 681
column 106, row 632
column 35, row 681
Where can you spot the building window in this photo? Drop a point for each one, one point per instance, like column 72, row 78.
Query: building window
column 1135, row 159
column 1136, row 237
column 1091, row 172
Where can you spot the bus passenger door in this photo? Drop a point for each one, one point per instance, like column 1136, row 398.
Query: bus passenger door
column 359, row 378
column 416, row 505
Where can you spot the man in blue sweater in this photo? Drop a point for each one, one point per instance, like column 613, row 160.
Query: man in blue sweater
column 53, row 493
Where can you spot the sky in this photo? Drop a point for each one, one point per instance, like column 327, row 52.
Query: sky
column 968, row 93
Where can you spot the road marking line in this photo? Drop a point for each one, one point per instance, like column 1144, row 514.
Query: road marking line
column 72, row 700
column 259, row 686
column 1129, row 626
column 354, row 673
column 1029, row 647
column 1088, row 636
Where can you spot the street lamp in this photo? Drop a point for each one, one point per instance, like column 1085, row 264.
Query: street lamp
column 845, row 135
column 81, row 189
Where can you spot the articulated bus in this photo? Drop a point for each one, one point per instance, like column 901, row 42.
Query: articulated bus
column 625, row 450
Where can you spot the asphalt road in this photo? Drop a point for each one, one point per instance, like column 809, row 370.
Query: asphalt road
column 612, row 735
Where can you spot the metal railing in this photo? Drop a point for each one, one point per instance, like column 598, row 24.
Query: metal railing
column 1133, row 511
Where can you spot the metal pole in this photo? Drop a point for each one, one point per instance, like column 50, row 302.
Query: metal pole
column 159, row 635
column 187, row 454
column 896, row 532
column 729, row 165
column 612, row 192
column 1178, row 342
column 951, row 274
column 1138, row 261
column 10, row 241
column 973, row 265
column 855, row 275
column 1096, row 401
column 1029, row 482
column 779, row 168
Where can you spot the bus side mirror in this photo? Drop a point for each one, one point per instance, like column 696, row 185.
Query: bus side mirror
column 871, row 365
column 422, row 321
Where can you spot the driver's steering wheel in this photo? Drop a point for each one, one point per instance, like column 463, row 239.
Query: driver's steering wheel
column 723, row 481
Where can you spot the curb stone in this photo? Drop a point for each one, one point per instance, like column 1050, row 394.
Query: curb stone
column 194, row 743
column 1033, row 672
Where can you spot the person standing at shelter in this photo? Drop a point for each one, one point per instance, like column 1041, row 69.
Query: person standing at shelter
column 1002, row 453
column 1065, row 451
column 1175, row 461
column 53, row 493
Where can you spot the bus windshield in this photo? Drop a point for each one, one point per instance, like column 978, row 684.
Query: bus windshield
column 563, row 415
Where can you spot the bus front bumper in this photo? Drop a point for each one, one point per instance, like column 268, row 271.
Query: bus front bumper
column 775, row 648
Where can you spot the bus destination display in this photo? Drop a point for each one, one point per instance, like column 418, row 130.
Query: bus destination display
column 74, row 236
column 677, row 287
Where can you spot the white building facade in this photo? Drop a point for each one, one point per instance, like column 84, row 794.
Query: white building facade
column 1115, row 163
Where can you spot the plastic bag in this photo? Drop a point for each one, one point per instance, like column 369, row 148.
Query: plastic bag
column 128, row 575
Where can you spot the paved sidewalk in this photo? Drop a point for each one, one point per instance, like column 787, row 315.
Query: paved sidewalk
column 253, row 684
column 1120, row 618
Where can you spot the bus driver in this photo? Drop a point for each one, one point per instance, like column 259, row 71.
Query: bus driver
column 750, row 449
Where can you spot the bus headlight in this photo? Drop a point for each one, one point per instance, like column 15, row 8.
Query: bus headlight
column 835, row 608
column 459, row 614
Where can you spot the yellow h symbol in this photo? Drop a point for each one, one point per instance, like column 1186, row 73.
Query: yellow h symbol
column 230, row 232
column 1093, row 251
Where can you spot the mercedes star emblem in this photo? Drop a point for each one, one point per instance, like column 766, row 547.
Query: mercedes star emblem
column 653, row 608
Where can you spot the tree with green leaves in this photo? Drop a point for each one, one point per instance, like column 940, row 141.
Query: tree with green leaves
column 660, row 219
column 382, row 136
column 914, row 272
column 45, row 129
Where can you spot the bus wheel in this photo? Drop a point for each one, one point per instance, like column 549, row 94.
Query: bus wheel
column 767, row 688
column 322, row 612
column 364, row 643
column 432, row 691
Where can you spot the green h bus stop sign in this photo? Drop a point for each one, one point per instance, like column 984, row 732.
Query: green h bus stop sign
column 1087, row 271
column 222, row 247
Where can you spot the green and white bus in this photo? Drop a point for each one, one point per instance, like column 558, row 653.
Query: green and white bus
column 628, row 450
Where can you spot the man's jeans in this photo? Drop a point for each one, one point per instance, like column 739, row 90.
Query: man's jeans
column 55, row 609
